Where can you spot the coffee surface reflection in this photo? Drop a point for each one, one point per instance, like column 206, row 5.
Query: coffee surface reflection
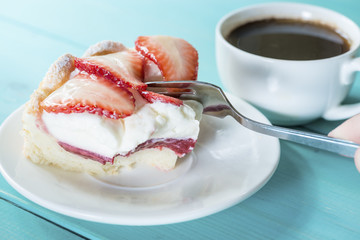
column 289, row 39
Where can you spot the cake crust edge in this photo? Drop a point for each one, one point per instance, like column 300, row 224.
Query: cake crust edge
column 57, row 75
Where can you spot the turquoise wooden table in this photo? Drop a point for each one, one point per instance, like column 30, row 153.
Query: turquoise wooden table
column 312, row 195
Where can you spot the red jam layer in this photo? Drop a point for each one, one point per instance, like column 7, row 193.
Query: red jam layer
column 86, row 154
column 179, row 146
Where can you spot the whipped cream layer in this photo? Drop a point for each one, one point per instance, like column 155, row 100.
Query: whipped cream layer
column 109, row 137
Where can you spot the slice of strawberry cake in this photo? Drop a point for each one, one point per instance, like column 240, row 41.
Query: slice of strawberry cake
column 94, row 114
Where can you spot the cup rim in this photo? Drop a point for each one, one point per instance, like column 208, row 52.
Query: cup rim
column 353, row 46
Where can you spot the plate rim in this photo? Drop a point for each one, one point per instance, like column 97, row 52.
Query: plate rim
column 200, row 213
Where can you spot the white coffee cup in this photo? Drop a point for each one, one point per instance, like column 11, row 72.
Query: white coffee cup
column 290, row 92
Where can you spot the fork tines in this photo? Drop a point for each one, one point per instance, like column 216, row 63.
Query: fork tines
column 171, row 88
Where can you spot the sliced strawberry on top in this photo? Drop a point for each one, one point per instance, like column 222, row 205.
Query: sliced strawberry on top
column 88, row 93
column 151, row 71
column 153, row 97
column 176, row 58
column 125, row 68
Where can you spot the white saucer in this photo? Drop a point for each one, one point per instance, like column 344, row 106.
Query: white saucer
column 229, row 164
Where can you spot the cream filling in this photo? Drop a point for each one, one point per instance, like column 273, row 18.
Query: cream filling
column 109, row 137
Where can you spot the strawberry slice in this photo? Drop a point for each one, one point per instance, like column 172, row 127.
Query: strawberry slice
column 156, row 97
column 125, row 68
column 88, row 93
column 176, row 58
column 151, row 72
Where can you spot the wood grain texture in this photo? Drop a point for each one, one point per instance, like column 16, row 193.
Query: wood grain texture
column 312, row 195
column 17, row 223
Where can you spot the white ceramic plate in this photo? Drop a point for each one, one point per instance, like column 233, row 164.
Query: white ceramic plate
column 229, row 164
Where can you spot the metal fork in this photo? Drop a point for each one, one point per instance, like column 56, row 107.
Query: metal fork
column 216, row 104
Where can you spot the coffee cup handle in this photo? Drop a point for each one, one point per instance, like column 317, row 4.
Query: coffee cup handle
column 344, row 111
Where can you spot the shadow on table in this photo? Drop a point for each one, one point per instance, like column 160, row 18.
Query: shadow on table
column 283, row 207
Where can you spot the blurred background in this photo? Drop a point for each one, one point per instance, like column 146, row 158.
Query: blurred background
column 312, row 195
column 35, row 33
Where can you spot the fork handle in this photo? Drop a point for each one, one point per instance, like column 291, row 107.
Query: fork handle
column 319, row 141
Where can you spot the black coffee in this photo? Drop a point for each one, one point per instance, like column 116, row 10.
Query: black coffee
column 289, row 39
